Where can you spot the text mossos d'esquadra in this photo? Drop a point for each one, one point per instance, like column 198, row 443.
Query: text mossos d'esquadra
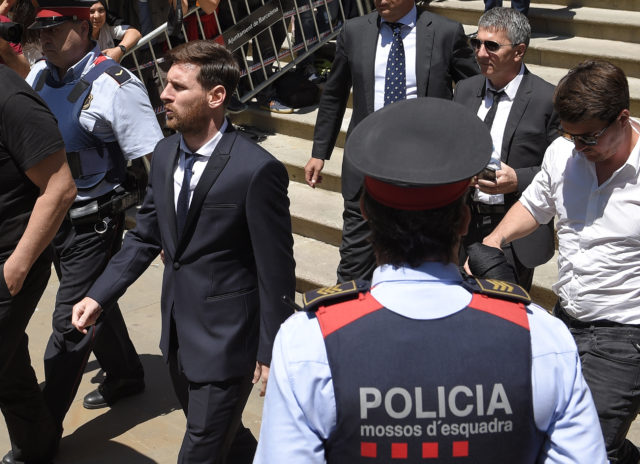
column 475, row 403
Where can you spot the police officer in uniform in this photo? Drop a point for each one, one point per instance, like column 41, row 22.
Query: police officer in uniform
column 424, row 363
column 106, row 121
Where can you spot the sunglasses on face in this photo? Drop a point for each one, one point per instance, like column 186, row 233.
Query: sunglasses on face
column 589, row 140
column 489, row 45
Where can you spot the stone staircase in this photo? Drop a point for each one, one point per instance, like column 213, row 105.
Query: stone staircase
column 565, row 33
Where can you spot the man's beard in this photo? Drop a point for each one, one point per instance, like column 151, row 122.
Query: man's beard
column 193, row 119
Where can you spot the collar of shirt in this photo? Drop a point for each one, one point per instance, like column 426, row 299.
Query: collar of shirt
column 207, row 149
column 204, row 152
column 80, row 68
column 429, row 291
column 407, row 20
column 510, row 89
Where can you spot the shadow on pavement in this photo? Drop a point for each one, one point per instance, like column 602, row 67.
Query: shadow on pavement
column 91, row 442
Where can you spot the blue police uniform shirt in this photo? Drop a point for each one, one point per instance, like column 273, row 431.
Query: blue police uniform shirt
column 300, row 407
column 113, row 112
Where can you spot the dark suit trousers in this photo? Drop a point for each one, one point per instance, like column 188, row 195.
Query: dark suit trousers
column 33, row 433
column 357, row 260
column 215, row 433
column 80, row 256
column 521, row 5
column 479, row 228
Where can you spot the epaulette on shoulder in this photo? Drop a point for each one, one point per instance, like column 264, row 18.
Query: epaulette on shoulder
column 118, row 73
column 497, row 289
column 338, row 293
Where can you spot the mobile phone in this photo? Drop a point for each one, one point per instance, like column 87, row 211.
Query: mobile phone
column 487, row 174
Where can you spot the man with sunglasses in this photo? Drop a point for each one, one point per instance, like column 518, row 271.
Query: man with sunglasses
column 518, row 108
column 589, row 180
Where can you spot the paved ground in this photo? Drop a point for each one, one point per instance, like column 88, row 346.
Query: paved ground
column 147, row 428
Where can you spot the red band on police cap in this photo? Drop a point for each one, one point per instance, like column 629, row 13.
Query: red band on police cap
column 70, row 11
column 414, row 198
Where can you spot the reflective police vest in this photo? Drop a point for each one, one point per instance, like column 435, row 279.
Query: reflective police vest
column 454, row 389
column 91, row 160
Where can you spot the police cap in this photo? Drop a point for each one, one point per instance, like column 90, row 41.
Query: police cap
column 419, row 154
column 52, row 13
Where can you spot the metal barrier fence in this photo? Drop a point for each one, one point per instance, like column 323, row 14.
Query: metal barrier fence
column 263, row 24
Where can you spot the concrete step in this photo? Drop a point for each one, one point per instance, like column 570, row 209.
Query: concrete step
column 294, row 152
column 565, row 52
column 298, row 124
column 628, row 5
column 316, row 263
column 316, row 213
column 597, row 23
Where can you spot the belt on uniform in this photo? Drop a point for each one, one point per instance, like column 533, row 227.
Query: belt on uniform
column 483, row 208
column 571, row 321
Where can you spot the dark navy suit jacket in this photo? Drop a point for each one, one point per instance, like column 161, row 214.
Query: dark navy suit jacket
column 225, row 277
column 531, row 127
column 443, row 56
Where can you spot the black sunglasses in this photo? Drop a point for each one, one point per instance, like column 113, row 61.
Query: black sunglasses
column 589, row 140
column 490, row 45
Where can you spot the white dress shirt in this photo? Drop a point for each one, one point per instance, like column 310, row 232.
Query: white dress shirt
column 385, row 38
column 497, row 128
column 204, row 153
column 598, row 232
column 300, row 407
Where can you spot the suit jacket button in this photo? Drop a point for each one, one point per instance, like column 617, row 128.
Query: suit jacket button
column 176, row 265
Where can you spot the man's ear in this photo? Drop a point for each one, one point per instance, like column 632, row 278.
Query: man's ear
column 520, row 50
column 216, row 96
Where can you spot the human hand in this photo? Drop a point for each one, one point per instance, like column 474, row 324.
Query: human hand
column 13, row 276
column 85, row 314
column 506, row 181
column 312, row 172
column 261, row 373
column 114, row 53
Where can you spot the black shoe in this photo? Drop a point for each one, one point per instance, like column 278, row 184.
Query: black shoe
column 8, row 459
column 111, row 391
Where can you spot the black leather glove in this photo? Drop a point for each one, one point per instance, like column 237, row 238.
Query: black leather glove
column 490, row 263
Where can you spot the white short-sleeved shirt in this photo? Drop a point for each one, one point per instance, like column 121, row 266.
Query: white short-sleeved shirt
column 109, row 34
column 598, row 232
column 116, row 113
column 300, row 408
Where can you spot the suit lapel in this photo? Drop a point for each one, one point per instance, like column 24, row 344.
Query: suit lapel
column 368, row 56
column 424, row 48
column 523, row 96
column 172, row 162
column 212, row 170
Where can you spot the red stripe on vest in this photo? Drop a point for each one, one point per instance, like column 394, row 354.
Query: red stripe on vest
column 99, row 59
column 334, row 317
column 508, row 310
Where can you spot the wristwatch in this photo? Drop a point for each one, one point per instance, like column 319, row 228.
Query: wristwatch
column 123, row 48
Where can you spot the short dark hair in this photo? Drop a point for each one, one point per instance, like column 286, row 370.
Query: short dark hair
column 413, row 237
column 592, row 90
column 217, row 65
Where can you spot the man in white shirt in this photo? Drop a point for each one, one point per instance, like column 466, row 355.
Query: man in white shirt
column 589, row 180
column 435, row 53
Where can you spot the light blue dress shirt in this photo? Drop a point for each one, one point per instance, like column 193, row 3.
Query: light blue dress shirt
column 300, row 408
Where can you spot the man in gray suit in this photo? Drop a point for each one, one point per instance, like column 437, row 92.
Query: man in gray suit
column 518, row 108
column 435, row 53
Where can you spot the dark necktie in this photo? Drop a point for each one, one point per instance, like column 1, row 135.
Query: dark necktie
column 491, row 115
column 183, row 197
column 395, row 79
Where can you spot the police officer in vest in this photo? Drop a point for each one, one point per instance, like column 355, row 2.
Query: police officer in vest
column 106, row 121
column 424, row 363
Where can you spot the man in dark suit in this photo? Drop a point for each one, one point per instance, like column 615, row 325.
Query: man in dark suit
column 522, row 125
column 435, row 52
column 217, row 206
